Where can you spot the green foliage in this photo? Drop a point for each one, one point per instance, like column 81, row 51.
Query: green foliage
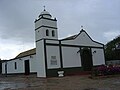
column 111, row 53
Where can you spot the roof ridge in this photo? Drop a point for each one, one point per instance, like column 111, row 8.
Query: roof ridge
column 26, row 53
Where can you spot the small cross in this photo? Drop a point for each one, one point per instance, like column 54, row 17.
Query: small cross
column 81, row 26
column 44, row 8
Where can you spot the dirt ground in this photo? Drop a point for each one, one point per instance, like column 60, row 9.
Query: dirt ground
column 82, row 82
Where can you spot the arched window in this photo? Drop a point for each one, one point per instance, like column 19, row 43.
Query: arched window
column 47, row 32
column 53, row 33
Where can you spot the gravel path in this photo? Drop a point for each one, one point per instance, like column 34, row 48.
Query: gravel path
column 31, row 82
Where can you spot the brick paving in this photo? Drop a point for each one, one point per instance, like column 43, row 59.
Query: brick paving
column 82, row 82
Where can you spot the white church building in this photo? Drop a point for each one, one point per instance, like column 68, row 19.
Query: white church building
column 70, row 55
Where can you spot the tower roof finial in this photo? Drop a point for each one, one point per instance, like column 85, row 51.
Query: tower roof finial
column 82, row 27
column 44, row 8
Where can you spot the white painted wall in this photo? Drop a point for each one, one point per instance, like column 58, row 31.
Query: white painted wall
column 98, row 56
column 41, row 32
column 40, row 59
column 45, row 22
column 33, row 63
column 20, row 65
column 52, row 41
column 53, row 51
column 70, row 57
column 82, row 40
column 11, row 66
column 3, row 68
column 38, row 23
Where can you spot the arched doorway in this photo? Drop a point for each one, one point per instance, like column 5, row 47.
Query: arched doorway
column 86, row 59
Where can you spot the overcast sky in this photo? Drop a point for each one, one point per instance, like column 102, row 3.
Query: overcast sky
column 100, row 18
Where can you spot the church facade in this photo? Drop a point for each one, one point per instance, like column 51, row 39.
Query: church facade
column 70, row 55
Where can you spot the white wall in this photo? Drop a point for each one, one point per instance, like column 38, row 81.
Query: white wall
column 11, row 66
column 33, row 63
column 53, row 51
column 20, row 65
column 98, row 56
column 52, row 41
column 41, row 32
column 3, row 68
column 46, row 23
column 70, row 57
column 40, row 59
column 82, row 40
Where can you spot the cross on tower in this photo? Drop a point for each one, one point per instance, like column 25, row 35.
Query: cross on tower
column 44, row 8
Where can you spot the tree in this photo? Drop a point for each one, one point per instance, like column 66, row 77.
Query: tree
column 112, row 50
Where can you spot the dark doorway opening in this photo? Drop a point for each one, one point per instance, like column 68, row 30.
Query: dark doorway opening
column 86, row 58
column 27, row 67
column 0, row 67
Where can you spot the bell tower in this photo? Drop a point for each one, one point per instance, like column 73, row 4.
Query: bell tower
column 45, row 26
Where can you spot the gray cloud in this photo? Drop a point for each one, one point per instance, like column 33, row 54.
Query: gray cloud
column 99, row 18
column 95, row 15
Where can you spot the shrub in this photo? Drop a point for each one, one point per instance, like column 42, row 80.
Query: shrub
column 103, row 70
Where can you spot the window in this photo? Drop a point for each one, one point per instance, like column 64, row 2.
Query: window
column 15, row 65
column 53, row 60
column 53, row 33
column 47, row 32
